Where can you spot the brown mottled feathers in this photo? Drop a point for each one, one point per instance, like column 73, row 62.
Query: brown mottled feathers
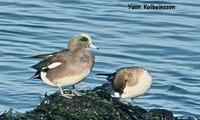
column 126, row 76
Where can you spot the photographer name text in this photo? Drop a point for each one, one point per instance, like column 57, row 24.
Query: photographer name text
column 150, row 6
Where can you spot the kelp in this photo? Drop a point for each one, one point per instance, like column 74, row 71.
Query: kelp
column 94, row 104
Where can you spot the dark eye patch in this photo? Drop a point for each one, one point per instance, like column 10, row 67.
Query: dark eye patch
column 84, row 39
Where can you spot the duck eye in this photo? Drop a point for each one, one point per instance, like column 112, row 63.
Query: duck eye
column 84, row 39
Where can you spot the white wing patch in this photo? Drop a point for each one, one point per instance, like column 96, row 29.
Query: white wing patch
column 53, row 65
column 45, row 79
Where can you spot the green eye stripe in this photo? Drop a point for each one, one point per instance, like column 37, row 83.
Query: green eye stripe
column 84, row 39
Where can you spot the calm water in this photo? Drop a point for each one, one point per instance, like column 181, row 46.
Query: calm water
column 166, row 42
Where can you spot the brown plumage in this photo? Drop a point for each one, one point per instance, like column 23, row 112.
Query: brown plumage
column 69, row 66
column 129, row 82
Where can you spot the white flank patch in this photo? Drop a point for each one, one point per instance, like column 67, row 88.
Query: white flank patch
column 115, row 94
column 53, row 65
column 45, row 79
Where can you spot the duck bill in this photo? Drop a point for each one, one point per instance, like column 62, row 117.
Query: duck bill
column 93, row 46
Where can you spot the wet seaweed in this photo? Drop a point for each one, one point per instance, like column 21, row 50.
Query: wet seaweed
column 95, row 104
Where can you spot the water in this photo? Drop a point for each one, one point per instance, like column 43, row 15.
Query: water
column 166, row 42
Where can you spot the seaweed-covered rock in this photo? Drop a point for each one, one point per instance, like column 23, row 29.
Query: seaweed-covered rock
column 93, row 105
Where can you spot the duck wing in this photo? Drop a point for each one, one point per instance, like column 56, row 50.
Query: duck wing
column 49, row 61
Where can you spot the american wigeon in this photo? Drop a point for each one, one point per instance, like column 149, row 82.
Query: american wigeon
column 69, row 66
column 129, row 82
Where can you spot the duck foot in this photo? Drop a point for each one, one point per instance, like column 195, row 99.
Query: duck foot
column 76, row 93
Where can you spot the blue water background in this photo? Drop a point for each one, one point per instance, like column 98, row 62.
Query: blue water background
column 166, row 42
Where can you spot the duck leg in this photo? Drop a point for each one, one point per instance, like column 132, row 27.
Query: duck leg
column 76, row 93
column 69, row 96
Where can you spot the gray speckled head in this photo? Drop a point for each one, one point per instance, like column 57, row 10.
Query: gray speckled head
column 80, row 40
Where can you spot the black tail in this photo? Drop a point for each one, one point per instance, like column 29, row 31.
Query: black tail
column 36, row 75
column 104, row 74
column 110, row 76
column 42, row 56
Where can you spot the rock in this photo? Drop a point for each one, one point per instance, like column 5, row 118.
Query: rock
column 162, row 114
column 95, row 104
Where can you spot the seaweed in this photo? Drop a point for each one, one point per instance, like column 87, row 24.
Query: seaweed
column 94, row 104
